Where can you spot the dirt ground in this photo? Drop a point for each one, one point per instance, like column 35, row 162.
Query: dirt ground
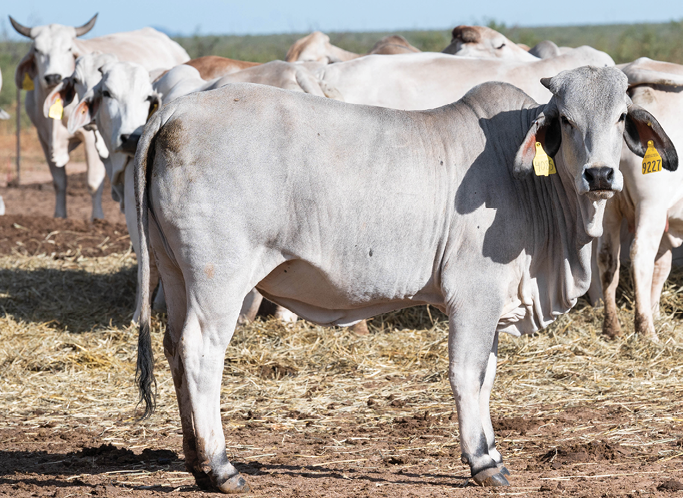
column 368, row 416
column 413, row 457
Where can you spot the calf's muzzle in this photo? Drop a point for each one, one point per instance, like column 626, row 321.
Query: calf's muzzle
column 599, row 178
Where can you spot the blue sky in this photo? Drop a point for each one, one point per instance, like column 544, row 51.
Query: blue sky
column 280, row 16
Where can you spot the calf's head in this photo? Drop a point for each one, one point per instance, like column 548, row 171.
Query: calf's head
column 583, row 127
column 52, row 53
column 85, row 76
column 120, row 105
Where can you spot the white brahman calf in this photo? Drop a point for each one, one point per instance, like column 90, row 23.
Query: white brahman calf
column 340, row 212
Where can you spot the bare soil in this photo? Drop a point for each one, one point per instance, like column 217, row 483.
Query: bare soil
column 410, row 457
column 38, row 199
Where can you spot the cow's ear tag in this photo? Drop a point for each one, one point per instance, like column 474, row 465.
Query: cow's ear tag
column 56, row 109
column 152, row 109
column 543, row 164
column 27, row 84
column 652, row 161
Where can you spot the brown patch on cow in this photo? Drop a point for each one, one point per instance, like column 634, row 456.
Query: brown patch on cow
column 213, row 66
column 466, row 34
column 298, row 46
column 393, row 44
column 171, row 137
column 209, row 270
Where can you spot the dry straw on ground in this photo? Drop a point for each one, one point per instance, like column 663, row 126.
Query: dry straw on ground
column 65, row 342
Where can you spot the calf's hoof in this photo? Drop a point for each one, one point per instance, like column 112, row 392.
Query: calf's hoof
column 503, row 469
column 361, row 328
column 235, row 484
column 490, row 477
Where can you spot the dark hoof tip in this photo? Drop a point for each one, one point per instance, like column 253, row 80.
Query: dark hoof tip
column 236, row 484
column 503, row 470
column 490, row 478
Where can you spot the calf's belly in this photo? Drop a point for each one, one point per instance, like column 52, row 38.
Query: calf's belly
column 340, row 298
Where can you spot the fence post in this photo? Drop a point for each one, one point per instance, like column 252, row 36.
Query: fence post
column 18, row 178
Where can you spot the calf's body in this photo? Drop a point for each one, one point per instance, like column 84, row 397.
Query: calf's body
column 341, row 212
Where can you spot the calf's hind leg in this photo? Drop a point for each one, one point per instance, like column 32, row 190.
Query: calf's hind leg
column 207, row 330
column 194, row 345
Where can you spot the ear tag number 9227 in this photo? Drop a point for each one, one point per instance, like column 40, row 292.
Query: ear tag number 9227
column 652, row 161
column 543, row 163
column 56, row 109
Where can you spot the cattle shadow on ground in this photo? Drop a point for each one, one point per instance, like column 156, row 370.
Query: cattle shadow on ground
column 71, row 300
column 359, row 474
column 89, row 460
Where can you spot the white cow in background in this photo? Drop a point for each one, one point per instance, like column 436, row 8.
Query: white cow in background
column 316, row 47
column 485, row 43
column 651, row 202
column 3, row 113
column 428, row 80
column 54, row 50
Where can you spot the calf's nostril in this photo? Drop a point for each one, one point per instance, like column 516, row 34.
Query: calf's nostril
column 599, row 178
column 124, row 138
column 588, row 175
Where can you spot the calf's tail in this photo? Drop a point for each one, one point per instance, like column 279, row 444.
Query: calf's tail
column 144, row 374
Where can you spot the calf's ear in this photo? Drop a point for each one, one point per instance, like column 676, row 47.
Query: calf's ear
column 65, row 91
column 546, row 130
column 640, row 128
column 85, row 111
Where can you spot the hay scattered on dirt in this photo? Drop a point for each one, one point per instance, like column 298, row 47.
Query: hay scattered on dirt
column 61, row 238
column 65, row 346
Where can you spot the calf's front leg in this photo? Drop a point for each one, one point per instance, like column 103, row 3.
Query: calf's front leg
column 471, row 342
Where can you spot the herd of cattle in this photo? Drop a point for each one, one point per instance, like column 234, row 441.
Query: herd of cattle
column 449, row 185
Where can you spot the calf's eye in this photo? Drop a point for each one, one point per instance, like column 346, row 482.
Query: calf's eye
column 565, row 121
column 622, row 118
column 105, row 93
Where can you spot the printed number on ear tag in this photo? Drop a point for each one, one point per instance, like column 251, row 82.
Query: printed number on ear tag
column 56, row 109
column 652, row 161
column 152, row 109
column 543, row 163
column 27, row 84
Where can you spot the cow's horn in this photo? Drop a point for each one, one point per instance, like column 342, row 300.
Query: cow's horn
column 22, row 30
column 81, row 30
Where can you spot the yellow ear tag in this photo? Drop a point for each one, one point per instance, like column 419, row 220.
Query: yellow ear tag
column 27, row 84
column 56, row 109
column 652, row 161
column 543, row 163
column 152, row 109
